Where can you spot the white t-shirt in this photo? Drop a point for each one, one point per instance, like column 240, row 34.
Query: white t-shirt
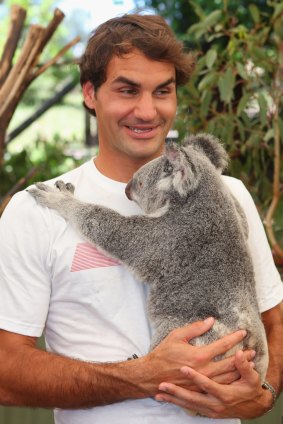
column 88, row 305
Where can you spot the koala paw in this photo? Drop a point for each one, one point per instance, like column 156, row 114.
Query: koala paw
column 58, row 198
column 65, row 187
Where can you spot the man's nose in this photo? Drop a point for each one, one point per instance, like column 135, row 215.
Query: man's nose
column 145, row 108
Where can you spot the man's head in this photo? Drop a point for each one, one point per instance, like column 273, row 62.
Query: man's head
column 129, row 74
column 119, row 36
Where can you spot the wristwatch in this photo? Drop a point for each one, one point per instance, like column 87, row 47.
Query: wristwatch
column 268, row 386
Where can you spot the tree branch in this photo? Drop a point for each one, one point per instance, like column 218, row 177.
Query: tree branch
column 18, row 78
column 58, row 16
column 17, row 20
column 55, row 58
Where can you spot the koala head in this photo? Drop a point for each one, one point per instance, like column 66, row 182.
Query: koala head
column 143, row 187
column 175, row 174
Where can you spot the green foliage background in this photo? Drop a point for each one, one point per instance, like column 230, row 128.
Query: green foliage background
column 235, row 84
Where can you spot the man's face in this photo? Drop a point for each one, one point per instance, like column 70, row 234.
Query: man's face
column 135, row 106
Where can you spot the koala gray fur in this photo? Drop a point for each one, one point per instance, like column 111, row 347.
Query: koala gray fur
column 190, row 245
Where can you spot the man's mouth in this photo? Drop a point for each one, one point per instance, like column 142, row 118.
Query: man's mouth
column 140, row 130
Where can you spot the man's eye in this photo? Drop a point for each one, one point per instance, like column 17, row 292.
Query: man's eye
column 128, row 90
column 162, row 92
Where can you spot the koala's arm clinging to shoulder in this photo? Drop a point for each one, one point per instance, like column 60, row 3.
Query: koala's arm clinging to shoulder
column 116, row 234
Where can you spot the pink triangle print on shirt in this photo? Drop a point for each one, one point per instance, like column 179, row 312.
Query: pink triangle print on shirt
column 87, row 256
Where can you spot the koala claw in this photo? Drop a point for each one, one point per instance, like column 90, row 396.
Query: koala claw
column 68, row 187
column 53, row 198
column 39, row 193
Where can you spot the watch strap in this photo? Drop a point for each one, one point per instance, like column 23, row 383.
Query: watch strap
column 269, row 387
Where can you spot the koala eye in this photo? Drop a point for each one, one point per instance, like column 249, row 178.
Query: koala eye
column 168, row 168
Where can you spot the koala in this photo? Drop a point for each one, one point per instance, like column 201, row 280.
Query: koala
column 190, row 244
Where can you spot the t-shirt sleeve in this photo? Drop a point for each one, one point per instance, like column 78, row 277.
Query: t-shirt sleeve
column 24, row 266
column 268, row 282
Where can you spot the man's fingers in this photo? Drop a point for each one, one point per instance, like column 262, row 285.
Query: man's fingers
column 194, row 330
column 227, row 378
column 179, row 396
column 224, row 344
column 204, row 383
column 225, row 365
column 245, row 368
column 166, row 397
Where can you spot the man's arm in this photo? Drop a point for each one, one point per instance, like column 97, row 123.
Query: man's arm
column 244, row 398
column 32, row 377
column 273, row 323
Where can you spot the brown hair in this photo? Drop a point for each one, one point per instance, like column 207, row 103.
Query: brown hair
column 118, row 36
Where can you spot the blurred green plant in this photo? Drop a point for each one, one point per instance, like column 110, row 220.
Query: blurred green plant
column 236, row 93
column 233, row 92
column 181, row 15
column 236, row 90
column 43, row 160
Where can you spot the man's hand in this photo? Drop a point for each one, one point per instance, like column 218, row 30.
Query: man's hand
column 218, row 400
column 167, row 359
column 244, row 397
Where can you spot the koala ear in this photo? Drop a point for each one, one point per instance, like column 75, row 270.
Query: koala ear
column 211, row 147
column 173, row 154
column 184, row 176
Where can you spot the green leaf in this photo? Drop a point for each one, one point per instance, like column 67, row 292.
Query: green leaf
column 254, row 13
column 211, row 127
column 201, row 64
column 226, row 85
column 213, row 36
column 243, row 103
column 278, row 28
column 278, row 10
column 213, row 18
column 259, row 53
column 263, row 109
column 241, row 129
column 210, row 58
column 208, row 81
column 198, row 30
column 269, row 135
column 205, row 103
column 197, row 9
column 191, row 89
column 241, row 70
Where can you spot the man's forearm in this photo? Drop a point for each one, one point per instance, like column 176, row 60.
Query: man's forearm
column 39, row 379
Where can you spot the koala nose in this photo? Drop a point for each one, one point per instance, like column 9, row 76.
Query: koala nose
column 128, row 190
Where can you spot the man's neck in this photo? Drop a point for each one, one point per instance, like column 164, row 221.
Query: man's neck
column 121, row 170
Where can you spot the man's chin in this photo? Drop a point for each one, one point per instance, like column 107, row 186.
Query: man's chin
column 146, row 148
column 145, row 154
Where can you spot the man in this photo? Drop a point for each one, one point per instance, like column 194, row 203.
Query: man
column 91, row 309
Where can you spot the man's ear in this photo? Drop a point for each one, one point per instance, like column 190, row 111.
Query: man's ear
column 89, row 95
